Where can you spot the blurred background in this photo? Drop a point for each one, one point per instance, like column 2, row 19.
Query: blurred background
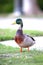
column 31, row 12
column 21, row 7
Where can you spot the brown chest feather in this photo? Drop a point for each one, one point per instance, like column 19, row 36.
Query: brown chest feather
column 18, row 39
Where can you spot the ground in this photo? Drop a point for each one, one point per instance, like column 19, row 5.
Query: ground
column 12, row 56
column 38, row 43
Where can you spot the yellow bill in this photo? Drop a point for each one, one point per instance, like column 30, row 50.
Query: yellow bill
column 13, row 23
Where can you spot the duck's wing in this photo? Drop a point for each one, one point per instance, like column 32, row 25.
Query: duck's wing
column 30, row 37
column 28, row 41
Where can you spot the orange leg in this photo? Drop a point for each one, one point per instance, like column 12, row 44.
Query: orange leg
column 28, row 49
column 21, row 49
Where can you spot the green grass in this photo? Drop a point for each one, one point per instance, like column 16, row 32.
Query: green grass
column 12, row 56
column 8, row 34
column 7, row 49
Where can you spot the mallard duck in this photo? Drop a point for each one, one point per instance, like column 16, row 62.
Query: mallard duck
column 23, row 40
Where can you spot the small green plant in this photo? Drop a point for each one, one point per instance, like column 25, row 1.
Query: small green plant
column 8, row 34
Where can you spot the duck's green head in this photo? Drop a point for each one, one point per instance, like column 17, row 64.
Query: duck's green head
column 18, row 21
